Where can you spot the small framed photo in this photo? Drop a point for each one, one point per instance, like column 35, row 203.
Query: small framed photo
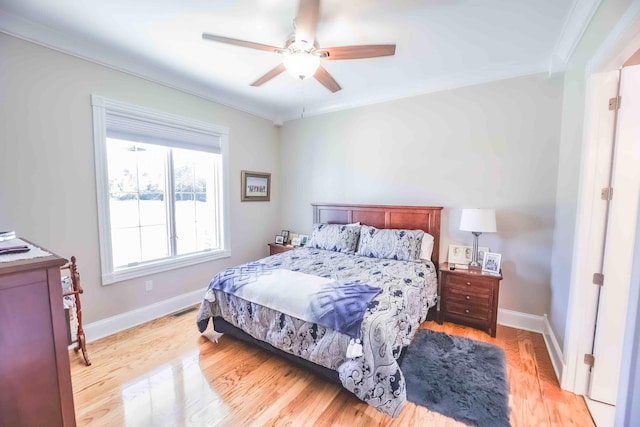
column 285, row 235
column 459, row 254
column 295, row 241
column 279, row 239
column 491, row 262
column 256, row 186
column 304, row 238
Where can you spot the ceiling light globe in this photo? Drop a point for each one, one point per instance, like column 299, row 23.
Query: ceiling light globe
column 301, row 65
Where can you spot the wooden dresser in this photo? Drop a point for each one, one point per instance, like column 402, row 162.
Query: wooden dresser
column 469, row 297
column 34, row 359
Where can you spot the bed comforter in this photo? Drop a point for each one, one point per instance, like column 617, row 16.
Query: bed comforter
column 409, row 289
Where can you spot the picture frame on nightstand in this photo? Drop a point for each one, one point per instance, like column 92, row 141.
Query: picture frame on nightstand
column 460, row 255
column 491, row 262
column 279, row 239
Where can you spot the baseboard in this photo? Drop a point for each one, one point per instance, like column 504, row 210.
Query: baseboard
column 603, row 415
column 518, row 320
column 555, row 352
column 539, row 324
column 120, row 322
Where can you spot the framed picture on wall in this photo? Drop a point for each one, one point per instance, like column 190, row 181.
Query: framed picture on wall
column 256, row 186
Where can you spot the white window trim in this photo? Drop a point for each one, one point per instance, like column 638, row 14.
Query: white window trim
column 100, row 107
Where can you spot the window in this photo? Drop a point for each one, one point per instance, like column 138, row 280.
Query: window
column 162, row 195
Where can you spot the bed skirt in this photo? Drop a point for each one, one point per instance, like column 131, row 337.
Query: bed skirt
column 222, row 326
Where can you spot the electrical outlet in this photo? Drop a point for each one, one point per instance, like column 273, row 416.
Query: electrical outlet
column 148, row 285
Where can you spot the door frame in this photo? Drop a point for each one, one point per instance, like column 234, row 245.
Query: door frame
column 619, row 45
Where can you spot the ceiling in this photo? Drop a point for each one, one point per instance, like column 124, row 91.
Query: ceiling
column 440, row 44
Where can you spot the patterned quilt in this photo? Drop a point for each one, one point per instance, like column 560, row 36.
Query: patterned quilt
column 409, row 289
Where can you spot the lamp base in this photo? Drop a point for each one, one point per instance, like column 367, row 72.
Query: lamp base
column 474, row 264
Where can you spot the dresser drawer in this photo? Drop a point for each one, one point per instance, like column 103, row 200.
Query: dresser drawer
column 474, row 312
column 468, row 296
column 464, row 284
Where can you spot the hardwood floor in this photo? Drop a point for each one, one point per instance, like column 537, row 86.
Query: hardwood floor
column 164, row 373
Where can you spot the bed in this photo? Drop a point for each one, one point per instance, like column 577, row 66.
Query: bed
column 394, row 296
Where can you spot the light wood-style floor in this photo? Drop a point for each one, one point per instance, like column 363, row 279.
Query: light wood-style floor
column 164, row 373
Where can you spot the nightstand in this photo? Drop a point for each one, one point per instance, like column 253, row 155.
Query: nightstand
column 276, row 248
column 469, row 297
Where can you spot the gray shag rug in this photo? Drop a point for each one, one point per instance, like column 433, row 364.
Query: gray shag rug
column 457, row 377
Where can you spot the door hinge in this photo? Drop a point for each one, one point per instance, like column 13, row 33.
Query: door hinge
column 606, row 193
column 598, row 279
column 614, row 103
column 589, row 359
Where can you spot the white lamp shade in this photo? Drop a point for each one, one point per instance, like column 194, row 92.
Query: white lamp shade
column 301, row 65
column 478, row 220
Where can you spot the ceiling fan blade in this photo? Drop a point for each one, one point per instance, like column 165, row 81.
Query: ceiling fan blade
column 269, row 75
column 307, row 21
column 251, row 45
column 323, row 76
column 359, row 52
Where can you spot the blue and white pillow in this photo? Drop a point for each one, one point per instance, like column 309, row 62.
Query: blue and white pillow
column 335, row 237
column 402, row 245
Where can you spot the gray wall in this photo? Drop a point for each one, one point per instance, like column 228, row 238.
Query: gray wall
column 492, row 145
column 47, row 178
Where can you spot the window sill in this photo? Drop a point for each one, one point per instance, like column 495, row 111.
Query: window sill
column 160, row 266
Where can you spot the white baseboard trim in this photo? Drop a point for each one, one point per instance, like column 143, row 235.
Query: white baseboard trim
column 518, row 320
column 111, row 325
column 603, row 415
column 555, row 352
column 539, row 324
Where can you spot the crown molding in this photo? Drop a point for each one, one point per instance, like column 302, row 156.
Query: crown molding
column 577, row 21
column 127, row 63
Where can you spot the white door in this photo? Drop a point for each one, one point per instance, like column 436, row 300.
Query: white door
column 621, row 230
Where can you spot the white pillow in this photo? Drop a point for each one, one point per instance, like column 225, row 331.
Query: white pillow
column 427, row 247
column 354, row 223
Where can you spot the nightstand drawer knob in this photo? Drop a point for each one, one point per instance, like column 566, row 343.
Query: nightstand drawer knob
column 467, row 311
column 467, row 297
column 468, row 283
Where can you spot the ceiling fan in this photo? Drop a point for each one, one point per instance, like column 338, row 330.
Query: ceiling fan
column 301, row 50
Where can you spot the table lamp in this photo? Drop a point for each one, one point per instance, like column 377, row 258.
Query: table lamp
column 477, row 221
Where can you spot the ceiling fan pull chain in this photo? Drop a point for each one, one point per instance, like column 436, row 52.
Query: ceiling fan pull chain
column 302, row 91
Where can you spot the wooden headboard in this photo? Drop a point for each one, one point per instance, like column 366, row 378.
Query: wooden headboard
column 425, row 218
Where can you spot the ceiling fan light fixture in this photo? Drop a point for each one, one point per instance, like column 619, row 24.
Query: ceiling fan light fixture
column 301, row 65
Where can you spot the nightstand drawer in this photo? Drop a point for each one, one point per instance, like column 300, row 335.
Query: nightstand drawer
column 467, row 310
column 468, row 296
column 464, row 284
